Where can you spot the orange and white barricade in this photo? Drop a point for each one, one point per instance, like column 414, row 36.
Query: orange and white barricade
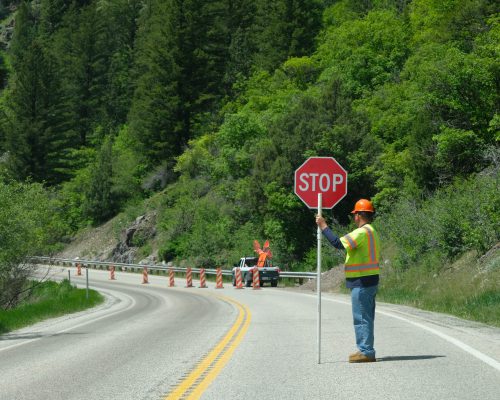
column 239, row 280
column 171, row 277
column 256, row 279
column 189, row 277
column 203, row 284
column 219, row 284
column 145, row 275
column 78, row 269
column 112, row 273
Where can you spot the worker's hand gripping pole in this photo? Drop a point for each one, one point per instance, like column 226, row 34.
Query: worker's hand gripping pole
column 318, row 279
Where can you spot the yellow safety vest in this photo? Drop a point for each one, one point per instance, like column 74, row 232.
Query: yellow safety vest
column 362, row 247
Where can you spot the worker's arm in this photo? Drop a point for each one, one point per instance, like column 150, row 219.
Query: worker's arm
column 333, row 238
column 328, row 233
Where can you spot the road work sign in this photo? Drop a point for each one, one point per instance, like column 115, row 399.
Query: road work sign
column 320, row 175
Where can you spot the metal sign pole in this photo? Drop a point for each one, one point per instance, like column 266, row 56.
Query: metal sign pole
column 87, row 282
column 318, row 280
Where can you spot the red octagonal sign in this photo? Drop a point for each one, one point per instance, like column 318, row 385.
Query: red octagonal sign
column 321, row 175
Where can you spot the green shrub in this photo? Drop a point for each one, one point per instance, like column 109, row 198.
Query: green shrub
column 29, row 225
column 463, row 216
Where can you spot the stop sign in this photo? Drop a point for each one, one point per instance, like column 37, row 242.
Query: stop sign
column 320, row 175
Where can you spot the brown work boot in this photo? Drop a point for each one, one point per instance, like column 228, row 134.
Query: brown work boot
column 359, row 357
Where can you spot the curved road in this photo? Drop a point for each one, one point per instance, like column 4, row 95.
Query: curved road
column 154, row 342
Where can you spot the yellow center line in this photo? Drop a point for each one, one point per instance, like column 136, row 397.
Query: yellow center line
column 215, row 360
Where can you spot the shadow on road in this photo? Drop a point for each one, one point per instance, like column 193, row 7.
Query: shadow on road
column 407, row 358
column 8, row 336
column 392, row 358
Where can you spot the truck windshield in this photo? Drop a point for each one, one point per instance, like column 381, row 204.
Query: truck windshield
column 251, row 262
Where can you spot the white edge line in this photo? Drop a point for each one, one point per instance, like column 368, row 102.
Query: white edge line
column 461, row 345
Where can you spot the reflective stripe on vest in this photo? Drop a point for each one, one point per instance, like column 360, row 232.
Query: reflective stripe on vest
column 351, row 241
column 360, row 262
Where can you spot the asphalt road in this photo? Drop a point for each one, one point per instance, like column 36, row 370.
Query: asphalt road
column 149, row 341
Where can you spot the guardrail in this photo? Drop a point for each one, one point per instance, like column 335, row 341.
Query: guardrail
column 154, row 267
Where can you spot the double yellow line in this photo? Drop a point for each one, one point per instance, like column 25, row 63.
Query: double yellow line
column 193, row 386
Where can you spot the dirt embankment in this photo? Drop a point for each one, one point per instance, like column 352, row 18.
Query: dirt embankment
column 331, row 281
column 109, row 242
column 92, row 243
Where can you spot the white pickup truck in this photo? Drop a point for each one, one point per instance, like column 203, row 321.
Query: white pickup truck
column 267, row 273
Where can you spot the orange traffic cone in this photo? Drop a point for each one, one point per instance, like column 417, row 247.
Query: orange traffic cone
column 145, row 275
column 78, row 269
column 112, row 273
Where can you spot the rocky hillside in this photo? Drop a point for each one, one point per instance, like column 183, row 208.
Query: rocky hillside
column 7, row 14
column 115, row 242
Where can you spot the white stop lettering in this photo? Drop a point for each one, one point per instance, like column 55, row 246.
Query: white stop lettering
column 324, row 182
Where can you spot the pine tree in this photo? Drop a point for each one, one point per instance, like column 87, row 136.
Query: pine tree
column 36, row 139
column 154, row 115
column 24, row 33
column 182, row 64
column 240, row 16
column 82, row 63
column 33, row 138
column 203, row 43
column 99, row 204
column 51, row 14
column 285, row 28
column 118, row 37
column 3, row 72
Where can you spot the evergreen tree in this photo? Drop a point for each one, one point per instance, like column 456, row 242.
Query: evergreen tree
column 99, row 204
column 24, row 33
column 154, row 114
column 35, row 138
column 241, row 48
column 189, row 53
column 82, row 58
column 118, row 36
column 285, row 28
column 3, row 72
column 203, row 45
column 51, row 14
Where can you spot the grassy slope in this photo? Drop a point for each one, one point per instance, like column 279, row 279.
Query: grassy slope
column 469, row 288
column 50, row 299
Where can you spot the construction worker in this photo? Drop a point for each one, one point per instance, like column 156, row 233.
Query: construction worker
column 362, row 274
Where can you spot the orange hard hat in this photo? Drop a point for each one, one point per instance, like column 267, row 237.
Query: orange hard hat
column 363, row 205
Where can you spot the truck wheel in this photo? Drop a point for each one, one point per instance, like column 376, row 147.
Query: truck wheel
column 234, row 280
column 248, row 282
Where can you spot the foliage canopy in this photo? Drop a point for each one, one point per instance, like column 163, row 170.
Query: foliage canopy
column 215, row 104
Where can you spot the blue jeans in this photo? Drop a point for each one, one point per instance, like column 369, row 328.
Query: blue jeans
column 363, row 313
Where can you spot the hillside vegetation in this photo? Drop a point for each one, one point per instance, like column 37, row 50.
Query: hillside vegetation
column 208, row 107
